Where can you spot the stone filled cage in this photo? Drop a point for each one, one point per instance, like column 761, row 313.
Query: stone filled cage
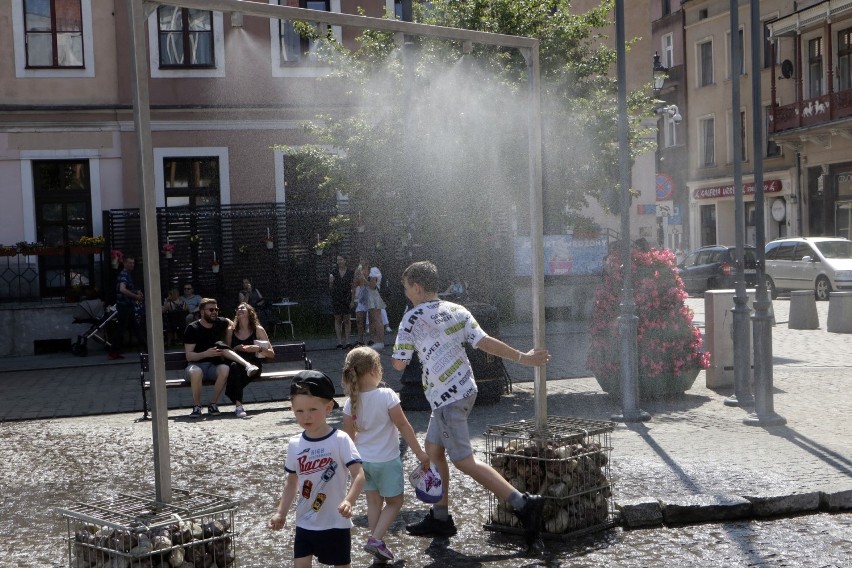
column 568, row 463
column 130, row 531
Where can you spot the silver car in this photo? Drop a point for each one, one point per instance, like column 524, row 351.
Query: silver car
column 821, row 264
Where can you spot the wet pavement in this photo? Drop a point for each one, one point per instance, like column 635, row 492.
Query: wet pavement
column 90, row 445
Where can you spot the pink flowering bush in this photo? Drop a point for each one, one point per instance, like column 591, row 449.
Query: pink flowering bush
column 669, row 347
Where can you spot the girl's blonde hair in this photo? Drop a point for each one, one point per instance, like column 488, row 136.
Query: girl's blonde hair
column 359, row 362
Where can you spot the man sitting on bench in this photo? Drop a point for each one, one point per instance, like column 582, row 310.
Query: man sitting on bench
column 206, row 359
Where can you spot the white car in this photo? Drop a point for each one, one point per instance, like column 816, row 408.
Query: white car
column 821, row 264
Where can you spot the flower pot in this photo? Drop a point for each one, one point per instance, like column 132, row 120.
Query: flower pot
column 114, row 263
column 8, row 251
column 215, row 268
column 169, row 254
column 652, row 387
column 47, row 251
column 270, row 245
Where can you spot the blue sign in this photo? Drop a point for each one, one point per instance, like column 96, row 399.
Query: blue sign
column 563, row 256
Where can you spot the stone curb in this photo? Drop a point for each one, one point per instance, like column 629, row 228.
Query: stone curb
column 650, row 512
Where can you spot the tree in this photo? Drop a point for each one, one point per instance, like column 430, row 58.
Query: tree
column 436, row 151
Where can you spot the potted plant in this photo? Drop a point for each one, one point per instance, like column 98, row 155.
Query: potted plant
column 116, row 257
column 168, row 249
column 669, row 347
column 214, row 264
column 270, row 242
column 88, row 245
column 8, row 250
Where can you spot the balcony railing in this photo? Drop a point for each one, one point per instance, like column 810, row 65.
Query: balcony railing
column 812, row 112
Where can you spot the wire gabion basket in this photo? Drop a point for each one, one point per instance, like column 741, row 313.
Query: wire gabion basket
column 567, row 463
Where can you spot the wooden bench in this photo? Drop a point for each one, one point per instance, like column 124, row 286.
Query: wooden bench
column 176, row 361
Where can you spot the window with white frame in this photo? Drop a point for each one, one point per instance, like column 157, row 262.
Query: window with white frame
column 669, row 131
column 192, row 177
column 704, row 55
column 668, row 51
column 185, row 42
column 815, row 67
column 52, row 38
column 772, row 148
column 707, row 141
column 770, row 46
column 740, row 58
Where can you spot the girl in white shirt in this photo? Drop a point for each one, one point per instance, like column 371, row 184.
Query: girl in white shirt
column 373, row 418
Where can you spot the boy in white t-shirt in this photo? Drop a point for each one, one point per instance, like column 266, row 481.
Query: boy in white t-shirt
column 316, row 471
column 437, row 331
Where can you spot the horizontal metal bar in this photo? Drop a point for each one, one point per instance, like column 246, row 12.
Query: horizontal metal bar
column 273, row 11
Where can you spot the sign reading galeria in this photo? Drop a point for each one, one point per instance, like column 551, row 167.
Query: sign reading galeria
column 769, row 186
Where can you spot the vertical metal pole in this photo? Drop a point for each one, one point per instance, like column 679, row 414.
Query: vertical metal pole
column 627, row 320
column 536, row 228
column 151, row 258
column 764, row 413
column 742, row 341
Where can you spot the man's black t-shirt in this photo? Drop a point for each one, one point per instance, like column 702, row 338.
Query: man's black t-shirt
column 205, row 338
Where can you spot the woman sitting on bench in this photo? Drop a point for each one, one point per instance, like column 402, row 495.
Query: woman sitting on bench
column 249, row 339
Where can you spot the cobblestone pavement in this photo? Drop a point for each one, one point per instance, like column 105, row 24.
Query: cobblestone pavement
column 693, row 445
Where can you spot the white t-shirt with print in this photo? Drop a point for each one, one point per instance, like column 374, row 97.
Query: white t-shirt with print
column 377, row 437
column 321, row 464
column 438, row 330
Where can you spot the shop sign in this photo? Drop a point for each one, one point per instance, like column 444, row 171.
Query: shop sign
column 769, row 186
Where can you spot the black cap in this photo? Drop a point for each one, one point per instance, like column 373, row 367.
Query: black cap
column 317, row 383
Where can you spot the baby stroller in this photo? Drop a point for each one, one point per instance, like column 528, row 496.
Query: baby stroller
column 93, row 312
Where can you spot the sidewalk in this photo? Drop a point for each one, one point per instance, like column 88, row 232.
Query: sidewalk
column 695, row 459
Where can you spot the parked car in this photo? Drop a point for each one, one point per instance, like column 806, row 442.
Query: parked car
column 821, row 264
column 713, row 268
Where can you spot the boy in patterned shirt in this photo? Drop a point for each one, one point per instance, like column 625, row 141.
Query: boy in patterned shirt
column 437, row 330
column 315, row 464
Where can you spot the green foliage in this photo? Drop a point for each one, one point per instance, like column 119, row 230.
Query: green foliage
column 439, row 134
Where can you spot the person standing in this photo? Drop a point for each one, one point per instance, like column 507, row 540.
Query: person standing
column 359, row 301
column 174, row 316
column 375, row 305
column 438, row 331
column 242, row 336
column 206, row 351
column 126, row 296
column 373, row 417
column 340, row 285
column 315, row 464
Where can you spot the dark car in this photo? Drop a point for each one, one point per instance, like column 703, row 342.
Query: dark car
column 713, row 268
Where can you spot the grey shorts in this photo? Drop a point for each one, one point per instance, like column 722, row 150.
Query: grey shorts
column 448, row 428
column 208, row 370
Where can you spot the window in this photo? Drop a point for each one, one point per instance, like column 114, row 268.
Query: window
column 844, row 59
column 707, row 143
column 770, row 46
column 296, row 48
column 705, row 63
column 708, row 225
column 52, row 38
column 815, row 67
column 54, row 33
column 191, row 181
column 669, row 131
column 772, row 148
column 666, row 7
column 668, row 51
column 740, row 56
column 185, row 37
column 63, row 201
column 743, row 137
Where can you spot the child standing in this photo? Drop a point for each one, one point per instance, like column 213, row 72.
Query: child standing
column 373, row 417
column 437, row 331
column 314, row 466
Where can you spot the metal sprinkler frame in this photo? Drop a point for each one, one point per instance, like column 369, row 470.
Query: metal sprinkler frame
column 138, row 11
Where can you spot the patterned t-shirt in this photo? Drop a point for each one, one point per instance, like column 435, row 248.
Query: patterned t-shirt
column 438, row 331
column 321, row 464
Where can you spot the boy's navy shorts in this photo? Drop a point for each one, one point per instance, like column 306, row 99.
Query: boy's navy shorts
column 331, row 546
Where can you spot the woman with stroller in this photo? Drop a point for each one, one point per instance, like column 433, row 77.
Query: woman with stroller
column 243, row 337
